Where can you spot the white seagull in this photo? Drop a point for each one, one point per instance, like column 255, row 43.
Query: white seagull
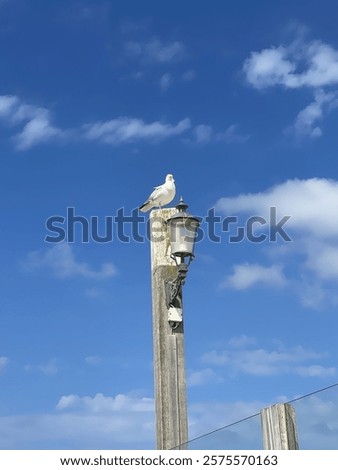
column 161, row 195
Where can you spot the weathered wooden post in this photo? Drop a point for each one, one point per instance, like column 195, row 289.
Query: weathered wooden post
column 169, row 359
column 279, row 427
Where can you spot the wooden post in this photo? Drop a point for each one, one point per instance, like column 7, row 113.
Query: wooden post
column 279, row 427
column 169, row 361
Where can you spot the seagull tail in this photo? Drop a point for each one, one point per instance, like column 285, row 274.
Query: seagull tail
column 145, row 207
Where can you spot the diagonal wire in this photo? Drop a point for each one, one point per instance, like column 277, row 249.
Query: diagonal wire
column 256, row 414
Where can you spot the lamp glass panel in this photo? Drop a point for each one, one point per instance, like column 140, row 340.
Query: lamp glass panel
column 182, row 236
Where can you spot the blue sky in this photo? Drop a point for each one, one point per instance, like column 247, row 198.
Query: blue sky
column 98, row 102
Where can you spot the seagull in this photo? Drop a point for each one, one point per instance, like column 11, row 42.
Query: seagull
column 161, row 195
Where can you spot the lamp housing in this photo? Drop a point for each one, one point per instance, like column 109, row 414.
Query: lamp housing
column 182, row 233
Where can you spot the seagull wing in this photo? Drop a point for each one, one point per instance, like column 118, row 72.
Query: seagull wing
column 156, row 193
column 161, row 195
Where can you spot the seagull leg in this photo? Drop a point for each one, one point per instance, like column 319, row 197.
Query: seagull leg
column 167, row 251
column 161, row 211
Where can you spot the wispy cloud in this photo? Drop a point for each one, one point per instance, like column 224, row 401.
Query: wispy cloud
column 242, row 341
column 203, row 134
column 127, row 130
column 3, row 363
column 204, row 376
column 316, row 371
column 37, row 130
column 94, row 293
column 50, row 368
column 36, row 126
column 189, row 75
column 247, row 275
column 93, row 360
column 166, row 81
column 155, row 51
column 264, row 362
column 35, row 121
column 60, row 260
column 8, row 105
column 95, row 13
column 233, row 135
column 308, row 120
column 155, row 60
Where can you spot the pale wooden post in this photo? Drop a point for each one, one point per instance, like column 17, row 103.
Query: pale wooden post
column 279, row 427
column 169, row 361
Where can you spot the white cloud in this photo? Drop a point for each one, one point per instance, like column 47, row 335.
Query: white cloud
column 313, row 65
column 126, row 130
column 99, row 422
column 60, row 259
column 155, row 51
column 105, row 426
column 312, row 205
column 322, row 62
column 246, row 275
column 268, row 68
column 103, row 404
column 3, row 363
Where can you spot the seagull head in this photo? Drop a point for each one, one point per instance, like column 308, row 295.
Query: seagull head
column 169, row 178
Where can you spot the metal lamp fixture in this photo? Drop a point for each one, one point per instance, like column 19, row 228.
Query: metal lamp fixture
column 182, row 233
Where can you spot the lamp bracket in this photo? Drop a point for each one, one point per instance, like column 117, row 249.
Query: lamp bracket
column 173, row 291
